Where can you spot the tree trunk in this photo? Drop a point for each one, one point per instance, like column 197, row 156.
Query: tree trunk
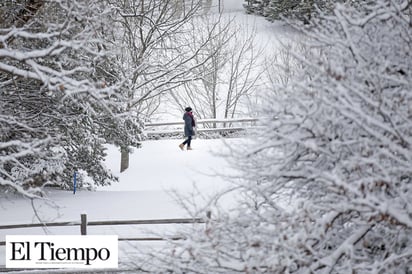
column 124, row 158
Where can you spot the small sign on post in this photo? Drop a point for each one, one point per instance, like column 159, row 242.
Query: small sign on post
column 74, row 182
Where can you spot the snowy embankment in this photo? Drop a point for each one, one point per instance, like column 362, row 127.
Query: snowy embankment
column 144, row 191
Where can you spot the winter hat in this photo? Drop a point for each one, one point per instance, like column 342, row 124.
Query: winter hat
column 188, row 109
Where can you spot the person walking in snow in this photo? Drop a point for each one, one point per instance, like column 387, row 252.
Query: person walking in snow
column 189, row 128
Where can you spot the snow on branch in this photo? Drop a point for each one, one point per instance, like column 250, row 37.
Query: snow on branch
column 325, row 183
column 59, row 104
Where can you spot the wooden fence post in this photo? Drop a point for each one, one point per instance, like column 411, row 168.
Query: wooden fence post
column 207, row 221
column 83, row 224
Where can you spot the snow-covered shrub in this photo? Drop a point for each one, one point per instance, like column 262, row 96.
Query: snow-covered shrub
column 327, row 181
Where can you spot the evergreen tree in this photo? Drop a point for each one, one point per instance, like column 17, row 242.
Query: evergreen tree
column 256, row 6
column 290, row 9
column 58, row 104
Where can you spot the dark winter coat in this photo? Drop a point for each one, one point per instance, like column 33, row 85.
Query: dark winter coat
column 189, row 124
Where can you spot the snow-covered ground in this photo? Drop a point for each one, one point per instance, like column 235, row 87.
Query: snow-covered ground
column 144, row 191
column 147, row 189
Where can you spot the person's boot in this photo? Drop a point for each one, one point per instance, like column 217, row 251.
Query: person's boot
column 189, row 148
column 182, row 146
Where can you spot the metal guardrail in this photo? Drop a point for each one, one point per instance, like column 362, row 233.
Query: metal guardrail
column 200, row 130
column 227, row 126
column 203, row 121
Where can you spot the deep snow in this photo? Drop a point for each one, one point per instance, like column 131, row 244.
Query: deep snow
column 144, row 191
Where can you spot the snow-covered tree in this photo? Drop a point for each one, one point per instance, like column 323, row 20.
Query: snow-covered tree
column 151, row 38
column 224, row 82
column 57, row 108
column 326, row 182
column 291, row 9
column 256, row 6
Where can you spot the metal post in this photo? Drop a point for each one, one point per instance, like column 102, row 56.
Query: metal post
column 83, row 224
